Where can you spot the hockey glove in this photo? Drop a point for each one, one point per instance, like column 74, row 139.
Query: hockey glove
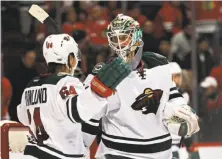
column 181, row 120
column 109, row 76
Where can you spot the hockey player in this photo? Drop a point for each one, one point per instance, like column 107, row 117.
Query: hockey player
column 146, row 107
column 177, row 78
column 54, row 104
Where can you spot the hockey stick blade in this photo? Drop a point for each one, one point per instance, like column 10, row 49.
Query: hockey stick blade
column 38, row 13
column 44, row 17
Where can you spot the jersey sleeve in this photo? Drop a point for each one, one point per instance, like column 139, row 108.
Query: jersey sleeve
column 85, row 106
column 82, row 104
column 91, row 128
column 87, row 81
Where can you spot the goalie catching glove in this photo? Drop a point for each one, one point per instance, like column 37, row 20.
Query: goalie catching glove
column 181, row 120
column 109, row 76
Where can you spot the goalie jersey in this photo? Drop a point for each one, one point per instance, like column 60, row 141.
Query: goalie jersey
column 56, row 132
column 139, row 133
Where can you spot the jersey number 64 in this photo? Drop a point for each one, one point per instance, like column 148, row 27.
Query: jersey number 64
column 64, row 92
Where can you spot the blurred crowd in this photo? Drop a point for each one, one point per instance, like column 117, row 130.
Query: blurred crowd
column 166, row 28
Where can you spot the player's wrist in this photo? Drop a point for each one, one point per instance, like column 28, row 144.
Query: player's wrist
column 100, row 89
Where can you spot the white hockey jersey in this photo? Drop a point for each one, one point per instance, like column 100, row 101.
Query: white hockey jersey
column 54, row 123
column 139, row 134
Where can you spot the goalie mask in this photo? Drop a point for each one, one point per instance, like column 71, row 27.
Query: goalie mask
column 57, row 48
column 125, row 36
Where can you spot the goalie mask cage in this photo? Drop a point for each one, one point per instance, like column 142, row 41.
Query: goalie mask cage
column 13, row 139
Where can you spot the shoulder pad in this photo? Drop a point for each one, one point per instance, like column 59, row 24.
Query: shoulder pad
column 54, row 79
column 152, row 59
column 45, row 79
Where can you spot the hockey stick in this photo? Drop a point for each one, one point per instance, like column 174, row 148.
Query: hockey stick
column 44, row 18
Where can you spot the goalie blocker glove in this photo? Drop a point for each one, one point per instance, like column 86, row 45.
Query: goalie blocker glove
column 109, row 76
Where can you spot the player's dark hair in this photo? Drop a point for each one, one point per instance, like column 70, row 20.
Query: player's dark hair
column 54, row 67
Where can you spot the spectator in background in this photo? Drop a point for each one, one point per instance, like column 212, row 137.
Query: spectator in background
column 71, row 23
column 97, row 26
column 212, row 96
column 90, row 54
column 205, row 60
column 212, row 109
column 82, row 16
column 216, row 72
column 66, row 5
column 181, row 47
column 165, row 47
column 87, row 5
column 135, row 13
column 19, row 78
column 168, row 21
column 112, row 9
column 148, row 37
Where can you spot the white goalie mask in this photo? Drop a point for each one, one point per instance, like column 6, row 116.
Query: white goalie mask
column 124, row 35
column 57, row 48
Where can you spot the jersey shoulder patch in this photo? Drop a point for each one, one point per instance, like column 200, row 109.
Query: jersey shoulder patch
column 152, row 60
